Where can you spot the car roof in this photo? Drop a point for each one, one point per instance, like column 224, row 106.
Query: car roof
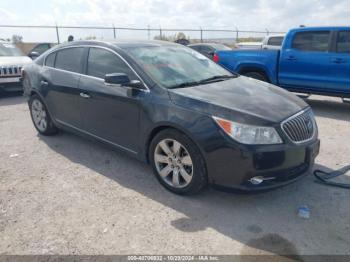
column 306, row 28
column 206, row 44
column 119, row 43
column 276, row 35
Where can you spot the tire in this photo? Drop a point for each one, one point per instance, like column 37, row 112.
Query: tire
column 40, row 116
column 256, row 75
column 176, row 163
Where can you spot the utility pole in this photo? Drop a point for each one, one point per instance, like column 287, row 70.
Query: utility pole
column 57, row 34
column 237, row 34
column 148, row 32
column 114, row 32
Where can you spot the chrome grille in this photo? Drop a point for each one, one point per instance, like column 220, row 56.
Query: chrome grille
column 300, row 127
column 10, row 71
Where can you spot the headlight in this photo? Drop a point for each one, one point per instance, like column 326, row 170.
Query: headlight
column 251, row 135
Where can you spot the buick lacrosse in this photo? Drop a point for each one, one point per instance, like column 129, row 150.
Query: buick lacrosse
column 196, row 123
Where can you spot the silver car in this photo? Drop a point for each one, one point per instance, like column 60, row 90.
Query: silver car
column 12, row 59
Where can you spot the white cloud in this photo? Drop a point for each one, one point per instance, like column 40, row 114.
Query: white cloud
column 7, row 15
column 276, row 15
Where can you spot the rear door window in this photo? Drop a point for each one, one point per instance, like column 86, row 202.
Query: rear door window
column 312, row 41
column 343, row 42
column 197, row 48
column 207, row 49
column 70, row 59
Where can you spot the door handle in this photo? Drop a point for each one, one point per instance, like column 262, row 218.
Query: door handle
column 44, row 83
column 291, row 58
column 84, row 95
column 338, row 61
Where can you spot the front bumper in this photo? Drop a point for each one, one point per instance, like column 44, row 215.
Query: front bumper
column 11, row 84
column 233, row 168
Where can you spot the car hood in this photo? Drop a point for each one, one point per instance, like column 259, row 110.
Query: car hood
column 240, row 99
column 14, row 60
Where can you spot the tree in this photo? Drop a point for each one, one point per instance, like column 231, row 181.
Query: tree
column 90, row 37
column 171, row 38
column 180, row 35
column 17, row 39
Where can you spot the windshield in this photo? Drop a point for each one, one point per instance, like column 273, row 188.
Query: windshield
column 173, row 66
column 7, row 49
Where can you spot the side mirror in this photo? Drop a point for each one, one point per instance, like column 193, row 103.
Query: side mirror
column 122, row 79
column 117, row 79
column 33, row 55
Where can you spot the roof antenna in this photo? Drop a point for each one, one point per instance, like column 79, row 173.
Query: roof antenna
column 302, row 26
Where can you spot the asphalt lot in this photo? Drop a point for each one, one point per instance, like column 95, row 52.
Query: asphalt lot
column 68, row 195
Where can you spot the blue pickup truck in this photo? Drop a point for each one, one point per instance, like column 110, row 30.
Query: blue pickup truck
column 313, row 60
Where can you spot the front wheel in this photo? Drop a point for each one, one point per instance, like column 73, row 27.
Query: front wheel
column 177, row 162
column 40, row 116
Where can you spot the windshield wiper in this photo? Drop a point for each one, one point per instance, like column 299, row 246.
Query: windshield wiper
column 216, row 78
column 204, row 81
column 185, row 84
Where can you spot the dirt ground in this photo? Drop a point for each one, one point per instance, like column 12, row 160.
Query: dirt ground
column 68, row 195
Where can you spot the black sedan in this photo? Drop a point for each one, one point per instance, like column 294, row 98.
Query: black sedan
column 165, row 104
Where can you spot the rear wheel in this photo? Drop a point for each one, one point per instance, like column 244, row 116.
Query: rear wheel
column 177, row 162
column 256, row 75
column 40, row 116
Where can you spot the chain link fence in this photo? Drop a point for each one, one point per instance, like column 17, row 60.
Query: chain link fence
column 59, row 34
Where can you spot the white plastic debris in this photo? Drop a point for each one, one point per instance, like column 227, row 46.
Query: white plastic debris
column 14, row 155
column 304, row 212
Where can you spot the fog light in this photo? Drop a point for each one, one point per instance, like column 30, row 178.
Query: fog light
column 257, row 180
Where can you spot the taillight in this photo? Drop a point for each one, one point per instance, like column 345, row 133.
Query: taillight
column 216, row 58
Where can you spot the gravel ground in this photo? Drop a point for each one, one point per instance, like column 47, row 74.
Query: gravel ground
column 68, row 195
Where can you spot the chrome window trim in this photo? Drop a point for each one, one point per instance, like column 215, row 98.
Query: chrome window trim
column 95, row 136
column 95, row 46
column 294, row 116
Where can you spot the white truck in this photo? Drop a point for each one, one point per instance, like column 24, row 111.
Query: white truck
column 12, row 59
column 272, row 42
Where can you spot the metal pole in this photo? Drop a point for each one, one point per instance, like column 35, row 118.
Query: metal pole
column 58, row 35
column 148, row 32
column 237, row 35
column 201, row 34
column 114, row 32
column 160, row 33
column 267, row 31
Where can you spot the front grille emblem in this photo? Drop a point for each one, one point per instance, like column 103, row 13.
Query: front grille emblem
column 300, row 127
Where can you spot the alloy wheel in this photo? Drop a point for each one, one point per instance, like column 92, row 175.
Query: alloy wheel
column 173, row 163
column 39, row 115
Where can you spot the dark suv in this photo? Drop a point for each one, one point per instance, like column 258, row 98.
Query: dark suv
column 192, row 120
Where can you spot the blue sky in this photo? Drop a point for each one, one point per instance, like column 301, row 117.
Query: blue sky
column 276, row 15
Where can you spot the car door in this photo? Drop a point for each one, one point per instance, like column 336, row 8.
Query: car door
column 304, row 63
column 340, row 64
column 60, row 77
column 109, row 112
